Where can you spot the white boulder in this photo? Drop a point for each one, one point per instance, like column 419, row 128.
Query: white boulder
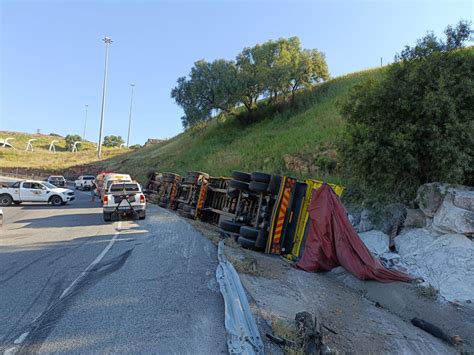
column 450, row 218
column 376, row 241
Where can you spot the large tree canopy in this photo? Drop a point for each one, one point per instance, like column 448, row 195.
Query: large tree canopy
column 269, row 70
column 417, row 124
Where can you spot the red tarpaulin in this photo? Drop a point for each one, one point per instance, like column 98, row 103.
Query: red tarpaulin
column 332, row 241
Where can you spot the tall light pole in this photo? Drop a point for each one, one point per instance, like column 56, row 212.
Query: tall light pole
column 130, row 116
column 85, row 123
column 107, row 41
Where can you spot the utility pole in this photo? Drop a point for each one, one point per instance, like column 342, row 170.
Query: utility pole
column 130, row 116
column 107, row 42
column 85, row 123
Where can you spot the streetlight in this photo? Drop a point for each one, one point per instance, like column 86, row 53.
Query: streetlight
column 130, row 116
column 107, row 41
column 85, row 123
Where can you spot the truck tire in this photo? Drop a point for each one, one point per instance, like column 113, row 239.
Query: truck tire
column 186, row 208
column 56, row 200
column 239, row 185
column 241, row 176
column 260, row 177
column 274, row 185
column 141, row 215
column 259, row 187
column 230, row 226
column 107, row 216
column 246, row 243
column 262, row 238
column 5, row 200
column 249, row 232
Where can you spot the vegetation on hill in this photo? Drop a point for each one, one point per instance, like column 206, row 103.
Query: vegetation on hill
column 300, row 141
column 417, row 124
column 42, row 158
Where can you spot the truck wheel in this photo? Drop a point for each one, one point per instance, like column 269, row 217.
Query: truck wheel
column 261, row 177
column 56, row 201
column 5, row 200
column 258, row 186
column 249, row 232
column 239, row 185
column 230, row 226
column 142, row 215
column 274, row 185
column 238, row 175
column 107, row 216
column 262, row 238
column 246, row 243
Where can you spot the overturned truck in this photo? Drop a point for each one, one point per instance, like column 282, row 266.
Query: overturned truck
column 261, row 211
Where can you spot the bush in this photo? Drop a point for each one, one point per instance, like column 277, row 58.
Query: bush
column 113, row 141
column 415, row 125
column 70, row 139
column 135, row 146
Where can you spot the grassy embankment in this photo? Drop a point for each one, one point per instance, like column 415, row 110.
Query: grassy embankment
column 298, row 142
column 41, row 158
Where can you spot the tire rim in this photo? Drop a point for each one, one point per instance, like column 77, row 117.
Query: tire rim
column 5, row 201
column 57, row 201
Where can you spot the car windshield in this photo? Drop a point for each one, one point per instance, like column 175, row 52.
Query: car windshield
column 48, row 185
column 125, row 187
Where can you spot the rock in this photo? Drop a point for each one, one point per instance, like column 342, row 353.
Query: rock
column 413, row 240
column 445, row 262
column 391, row 214
column 414, row 218
column 450, row 218
column 376, row 241
column 430, row 196
column 365, row 224
column 464, row 199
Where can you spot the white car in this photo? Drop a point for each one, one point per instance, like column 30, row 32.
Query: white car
column 84, row 182
column 124, row 199
column 34, row 191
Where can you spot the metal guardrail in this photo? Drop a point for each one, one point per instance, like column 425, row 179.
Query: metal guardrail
column 243, row 336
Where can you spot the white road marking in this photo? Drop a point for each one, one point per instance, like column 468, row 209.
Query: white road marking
column 94, row 263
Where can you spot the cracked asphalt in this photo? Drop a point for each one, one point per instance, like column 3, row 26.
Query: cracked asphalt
column 153, row 291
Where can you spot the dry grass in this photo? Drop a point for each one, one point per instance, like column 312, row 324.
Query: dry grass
column 288, row 331
column 248, row 265
column 429, row 292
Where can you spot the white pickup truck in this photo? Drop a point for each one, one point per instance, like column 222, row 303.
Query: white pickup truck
column 84, row 182
column 34, row 191
column 122, row 199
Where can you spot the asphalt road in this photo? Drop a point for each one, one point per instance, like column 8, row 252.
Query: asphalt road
column 71, row 283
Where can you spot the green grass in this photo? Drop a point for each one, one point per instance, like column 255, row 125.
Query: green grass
column 272, row 145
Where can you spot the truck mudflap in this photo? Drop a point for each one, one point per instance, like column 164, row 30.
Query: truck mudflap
column 301, row 229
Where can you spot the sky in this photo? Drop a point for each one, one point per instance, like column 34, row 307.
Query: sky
column 52, row 53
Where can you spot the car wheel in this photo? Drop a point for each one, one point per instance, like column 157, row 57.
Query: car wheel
column 142, row 215
column 5, row 200
column 107, row 216
column 56, row 201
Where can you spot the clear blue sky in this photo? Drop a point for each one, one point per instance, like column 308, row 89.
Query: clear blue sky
column 52, row 56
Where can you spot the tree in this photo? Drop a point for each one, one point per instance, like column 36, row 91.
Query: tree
column 112, row 141
column 70, row 139
column 416, row 125
column 211, row 87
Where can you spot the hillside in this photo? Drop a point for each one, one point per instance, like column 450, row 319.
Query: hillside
column 298, row 142
column 41, row 158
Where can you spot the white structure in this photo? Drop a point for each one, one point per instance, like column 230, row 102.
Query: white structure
column 52, row 148
column 123, row 145
column 6, row 144
column 29, row 145
column 74, row 147
column 130, row 116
